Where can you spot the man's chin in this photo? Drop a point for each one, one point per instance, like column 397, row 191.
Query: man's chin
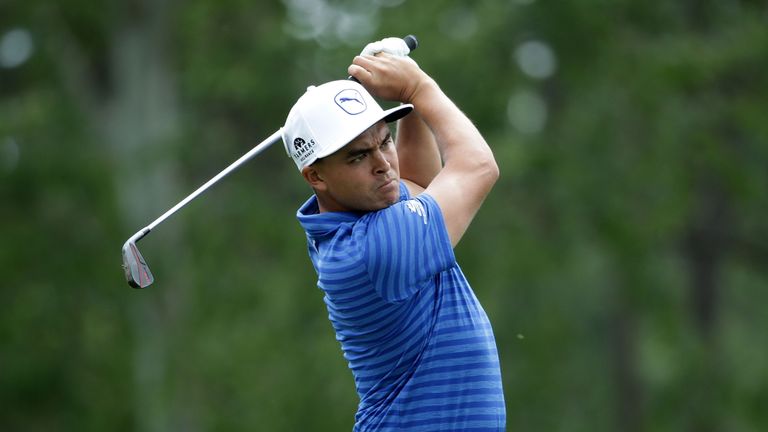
column 387, row 196
column 381, row 205
column 393, row 199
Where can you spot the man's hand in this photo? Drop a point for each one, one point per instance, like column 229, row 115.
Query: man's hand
column 390, row 77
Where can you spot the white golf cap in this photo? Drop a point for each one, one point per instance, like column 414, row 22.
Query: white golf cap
column 330, row 116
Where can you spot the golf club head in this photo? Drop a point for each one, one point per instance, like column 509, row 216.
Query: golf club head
column 136, row 269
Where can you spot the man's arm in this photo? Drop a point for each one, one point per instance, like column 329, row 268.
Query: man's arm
column 469, row 169
column 417, row 151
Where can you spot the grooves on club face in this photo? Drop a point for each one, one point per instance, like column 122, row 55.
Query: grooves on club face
column 136, row 269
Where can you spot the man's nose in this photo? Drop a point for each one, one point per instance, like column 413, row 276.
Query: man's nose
column 381, row 164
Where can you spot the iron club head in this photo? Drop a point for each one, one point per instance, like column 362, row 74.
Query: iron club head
column 136, row 269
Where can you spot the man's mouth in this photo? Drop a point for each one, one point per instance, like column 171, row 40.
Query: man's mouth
column 386, row 183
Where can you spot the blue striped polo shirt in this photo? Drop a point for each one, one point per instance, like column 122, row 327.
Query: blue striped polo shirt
column 417, row 340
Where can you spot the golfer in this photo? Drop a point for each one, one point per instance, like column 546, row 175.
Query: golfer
column 381, row 228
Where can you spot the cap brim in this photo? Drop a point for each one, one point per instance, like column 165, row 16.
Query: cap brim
column 398, row 112
column 390, row 115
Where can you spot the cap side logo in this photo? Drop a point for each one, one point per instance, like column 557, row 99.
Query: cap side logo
column 303, row 150
column 351, row 101
column 298, row 143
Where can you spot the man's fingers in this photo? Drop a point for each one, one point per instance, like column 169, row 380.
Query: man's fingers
column 372, row 63
column 384, row 75
column 359, row 73
column 362, row 67
column 367, row 60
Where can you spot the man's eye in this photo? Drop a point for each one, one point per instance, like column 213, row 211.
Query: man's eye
column 357, row 158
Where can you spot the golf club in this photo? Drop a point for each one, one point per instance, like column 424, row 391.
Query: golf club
column 137, row 271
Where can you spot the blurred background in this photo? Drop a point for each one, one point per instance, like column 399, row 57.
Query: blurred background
column 621, row 257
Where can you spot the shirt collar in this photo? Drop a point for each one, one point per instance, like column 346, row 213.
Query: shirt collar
column 318, row 224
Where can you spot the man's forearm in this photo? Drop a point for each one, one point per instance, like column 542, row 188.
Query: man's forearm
column 469, row 170
column 417, row 150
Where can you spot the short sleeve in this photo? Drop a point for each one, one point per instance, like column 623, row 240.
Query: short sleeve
column 407, row 245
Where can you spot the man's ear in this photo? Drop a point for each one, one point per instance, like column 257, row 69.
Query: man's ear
column 313, row 177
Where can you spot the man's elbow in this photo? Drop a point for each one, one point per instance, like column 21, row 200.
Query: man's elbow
column 479, row 169
column 477, row 164
column 488, row 169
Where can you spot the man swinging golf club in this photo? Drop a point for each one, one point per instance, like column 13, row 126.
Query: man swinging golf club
column 381, row 228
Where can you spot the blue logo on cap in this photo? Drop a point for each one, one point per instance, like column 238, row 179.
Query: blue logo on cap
column 351, row 101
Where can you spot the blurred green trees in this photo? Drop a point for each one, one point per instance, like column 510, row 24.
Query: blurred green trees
column 621, row 257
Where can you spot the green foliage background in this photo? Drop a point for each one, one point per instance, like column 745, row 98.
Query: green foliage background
column 621, row 257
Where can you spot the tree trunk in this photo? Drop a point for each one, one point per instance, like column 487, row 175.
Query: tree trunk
column 705, row 247
column 141, row 116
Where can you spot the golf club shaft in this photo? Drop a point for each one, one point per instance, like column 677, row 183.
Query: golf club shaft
column 236, row 164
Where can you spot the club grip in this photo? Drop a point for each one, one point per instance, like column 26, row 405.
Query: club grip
column 412, row 43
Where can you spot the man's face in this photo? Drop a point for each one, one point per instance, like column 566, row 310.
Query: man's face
column 361, row 176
